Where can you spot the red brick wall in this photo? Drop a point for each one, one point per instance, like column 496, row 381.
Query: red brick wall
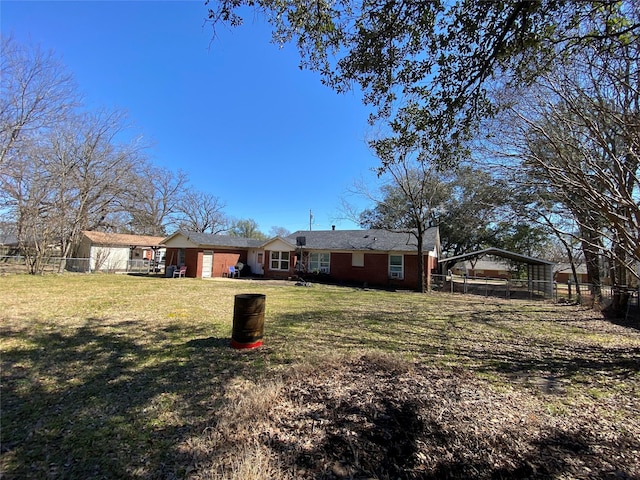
column 563, row 277
column 376, row 270
column 484, row 273
column 193, row 261
column 222, row 260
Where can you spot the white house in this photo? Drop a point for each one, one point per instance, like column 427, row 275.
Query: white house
column 116, row 252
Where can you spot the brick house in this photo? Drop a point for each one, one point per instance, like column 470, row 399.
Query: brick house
column 373, row 257
column 563, row 272
column 484, row 268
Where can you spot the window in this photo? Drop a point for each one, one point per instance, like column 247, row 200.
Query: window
column 396, row 266
column 319, row 262
column 279, row 260
column 357, row 259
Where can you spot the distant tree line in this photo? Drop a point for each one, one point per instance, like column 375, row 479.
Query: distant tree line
column 65, row 168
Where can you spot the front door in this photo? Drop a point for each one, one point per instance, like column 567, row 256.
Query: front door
column 259, row 262
column 207, row 263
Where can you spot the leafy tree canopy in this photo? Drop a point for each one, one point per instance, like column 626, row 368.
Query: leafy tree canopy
column 429, row 65
column 246, row 228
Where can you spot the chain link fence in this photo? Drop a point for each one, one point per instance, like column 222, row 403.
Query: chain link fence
column 528, row 289
column 13, row 264
column 16, row 264
column 493, row 287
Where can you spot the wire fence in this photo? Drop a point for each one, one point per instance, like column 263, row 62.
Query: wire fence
column 15, row 264
column 493, row 287
column 529, row 289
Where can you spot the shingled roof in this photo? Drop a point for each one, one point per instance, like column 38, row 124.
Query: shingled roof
column 122, row 239
column 334, row 240
column 211, row 240
column 365, row 240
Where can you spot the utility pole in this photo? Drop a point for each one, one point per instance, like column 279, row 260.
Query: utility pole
column 310, row 219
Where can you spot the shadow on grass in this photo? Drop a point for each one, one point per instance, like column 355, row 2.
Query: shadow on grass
column 118, row 401
column 113, row 402
column 382, row 444
column 211, row 342
column 481, row 341
column 571, row 354
column 631, row 321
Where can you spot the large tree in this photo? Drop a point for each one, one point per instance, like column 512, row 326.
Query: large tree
column 430, row 69
column 36, row 93
column 96, row 163
column 64, row 170
column 473, row 216
column 246, row 228
column 202, row 212
column 577, row 135
column 67, row 180
column 154, row 199
column 415, row 191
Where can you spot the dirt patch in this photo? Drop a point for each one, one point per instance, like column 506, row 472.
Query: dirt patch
column 376, row 416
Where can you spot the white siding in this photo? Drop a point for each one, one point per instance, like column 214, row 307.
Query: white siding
column 109, row 258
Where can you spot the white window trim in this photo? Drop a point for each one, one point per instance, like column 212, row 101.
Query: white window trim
column 395, row 274
column 280, row 260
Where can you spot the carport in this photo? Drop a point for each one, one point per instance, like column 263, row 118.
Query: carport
column 539, row 271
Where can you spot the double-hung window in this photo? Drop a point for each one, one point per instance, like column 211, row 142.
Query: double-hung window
column 319, row 262
column 396, row 266
column 279, row 260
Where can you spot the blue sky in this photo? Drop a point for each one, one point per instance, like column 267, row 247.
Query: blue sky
column 235, row 112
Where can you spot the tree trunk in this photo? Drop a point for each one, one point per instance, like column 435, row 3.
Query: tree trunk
column 421, row 282
column 593, row 272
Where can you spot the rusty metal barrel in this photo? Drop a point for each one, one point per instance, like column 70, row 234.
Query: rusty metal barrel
column 248, row 320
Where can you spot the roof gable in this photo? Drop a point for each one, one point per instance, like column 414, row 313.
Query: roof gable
column 279, row 244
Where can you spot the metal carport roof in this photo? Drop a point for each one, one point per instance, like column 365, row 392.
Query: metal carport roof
column 498, row 252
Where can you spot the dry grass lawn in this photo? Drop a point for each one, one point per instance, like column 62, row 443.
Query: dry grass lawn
column 112, row 376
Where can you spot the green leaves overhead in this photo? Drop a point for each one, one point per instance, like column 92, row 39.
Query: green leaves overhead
column 428, row 66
